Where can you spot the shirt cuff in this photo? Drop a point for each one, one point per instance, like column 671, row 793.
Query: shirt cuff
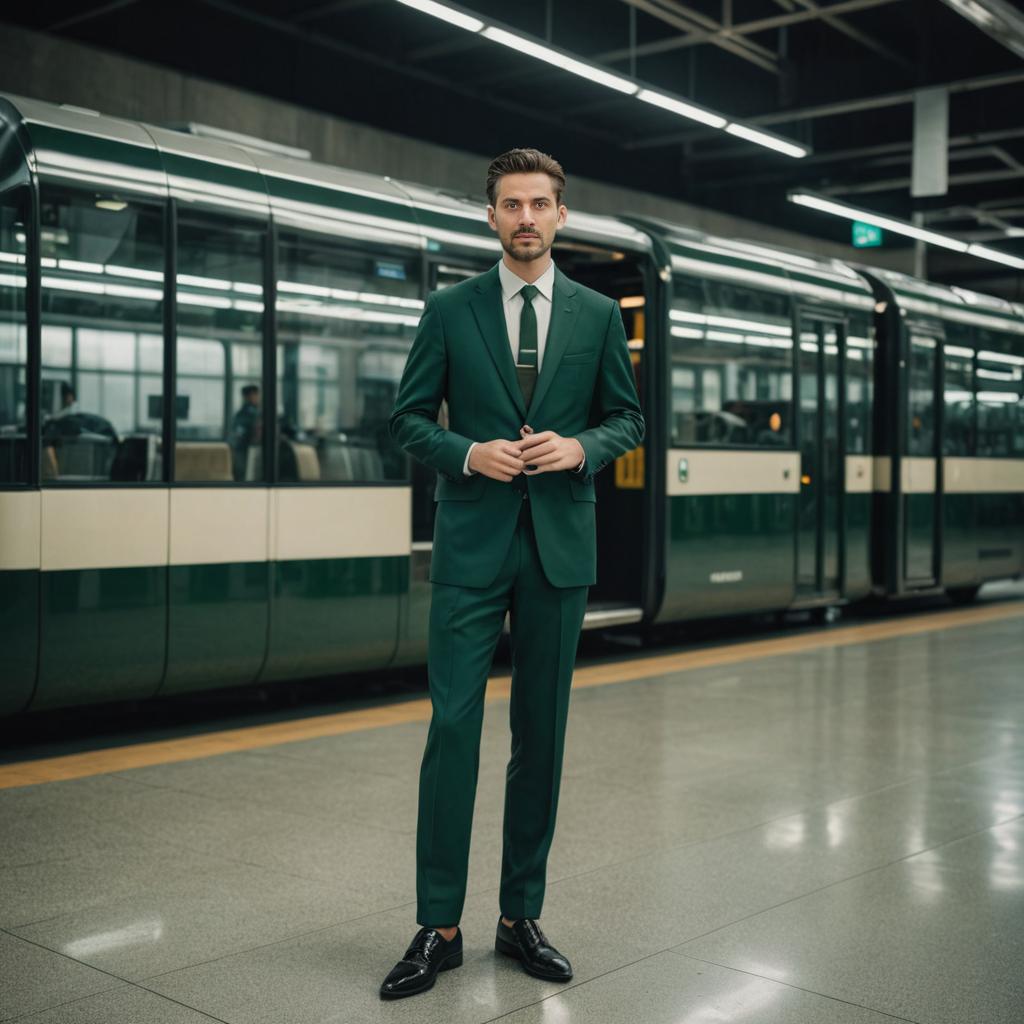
column 465, row 466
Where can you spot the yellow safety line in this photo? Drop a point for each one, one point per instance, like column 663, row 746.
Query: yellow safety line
column 139, row 755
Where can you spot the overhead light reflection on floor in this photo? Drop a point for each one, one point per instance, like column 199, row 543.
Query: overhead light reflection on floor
column 136, row 934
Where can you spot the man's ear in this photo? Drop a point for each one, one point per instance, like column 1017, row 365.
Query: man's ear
column 490, row 218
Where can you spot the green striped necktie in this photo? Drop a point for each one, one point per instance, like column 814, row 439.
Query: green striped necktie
column 526, row 363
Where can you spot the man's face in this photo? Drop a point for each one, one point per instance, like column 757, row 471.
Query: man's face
column 526, row 215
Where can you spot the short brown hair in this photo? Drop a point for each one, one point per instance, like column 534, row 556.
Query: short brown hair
column 524, row 161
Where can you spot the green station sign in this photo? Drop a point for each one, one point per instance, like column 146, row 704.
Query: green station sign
column 866, row 235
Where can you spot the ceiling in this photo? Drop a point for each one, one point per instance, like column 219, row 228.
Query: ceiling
column 836, row 76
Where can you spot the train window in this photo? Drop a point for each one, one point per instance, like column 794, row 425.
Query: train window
column 921, row 395
column 102, row 268
column 859, row 390
column 999, row 390
column 346, row 320
column 446, row 274
column 958, row 391
column 219, row 354
column 732, row 365
column 13, row 341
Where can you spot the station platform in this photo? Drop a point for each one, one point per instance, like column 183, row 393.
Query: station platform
column 824, row 826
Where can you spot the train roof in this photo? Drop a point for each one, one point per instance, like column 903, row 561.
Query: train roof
column 812, row 278
column 79, row 147
column 947, row 302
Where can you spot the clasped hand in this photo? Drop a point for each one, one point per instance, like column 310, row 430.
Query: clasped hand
column 531, row 454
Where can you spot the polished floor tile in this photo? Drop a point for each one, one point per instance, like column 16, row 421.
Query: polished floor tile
column 33, row 978
column 938, row 937
column 828, row 836
column 161, row 909
column 126, row 1003
column 667, row 989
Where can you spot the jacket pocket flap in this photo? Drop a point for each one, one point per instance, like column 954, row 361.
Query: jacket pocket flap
column 468, row 489
column 582, row 490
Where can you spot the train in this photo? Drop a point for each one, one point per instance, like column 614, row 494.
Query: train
column 200, row 344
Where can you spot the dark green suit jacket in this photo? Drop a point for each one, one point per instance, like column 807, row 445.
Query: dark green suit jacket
column 585, row 390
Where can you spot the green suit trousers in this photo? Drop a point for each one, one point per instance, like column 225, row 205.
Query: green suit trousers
column 465, row 624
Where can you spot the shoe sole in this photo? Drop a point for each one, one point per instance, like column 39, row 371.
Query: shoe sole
column 512, row 950
column 455, row 960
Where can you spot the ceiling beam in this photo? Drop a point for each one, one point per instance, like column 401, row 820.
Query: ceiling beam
column 856, row 34
column 892, row 99
column 690, row 22
column 793, row 176
column 898, row 184
column 326, row 42
column 707, row 35
column 95, row 12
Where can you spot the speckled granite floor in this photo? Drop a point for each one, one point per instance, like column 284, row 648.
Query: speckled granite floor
column 829, row 837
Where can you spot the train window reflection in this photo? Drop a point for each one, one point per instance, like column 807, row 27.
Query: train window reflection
column 102, row 328
column 859, row 385
column 921, row 396
column 732, row 359
column 999, row 391
column 346, row 320
column 13, row 426
column 219, row 355
column 958, row 391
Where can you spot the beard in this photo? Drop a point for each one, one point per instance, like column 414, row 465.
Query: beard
column 525, row 255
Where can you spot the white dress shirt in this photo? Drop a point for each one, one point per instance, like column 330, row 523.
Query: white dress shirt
column 512, row 303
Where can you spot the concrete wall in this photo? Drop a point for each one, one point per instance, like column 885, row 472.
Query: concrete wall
column 61, row 71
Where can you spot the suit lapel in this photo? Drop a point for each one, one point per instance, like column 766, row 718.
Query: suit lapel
column 565, row 308
column 490, row 317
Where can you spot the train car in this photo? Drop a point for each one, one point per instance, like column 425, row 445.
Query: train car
column 949, row 461
column 200, row 347
column 767, row 388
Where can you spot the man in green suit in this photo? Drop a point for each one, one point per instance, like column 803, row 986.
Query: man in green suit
column 540, row 391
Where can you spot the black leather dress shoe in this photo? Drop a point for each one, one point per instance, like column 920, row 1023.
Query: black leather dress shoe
column 428, row 953
column 525, row 941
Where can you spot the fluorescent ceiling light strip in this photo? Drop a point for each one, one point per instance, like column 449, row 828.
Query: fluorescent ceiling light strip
column 996, row 256
column 898, row 227
column 768, row 141
column 682, row 108
column 469, row 23
column 532, row 48
column 561, row 60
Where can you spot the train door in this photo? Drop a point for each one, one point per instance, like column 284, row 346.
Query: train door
column 819, row 555
column 623, row 529
column 19, row 502
column 918, row 484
